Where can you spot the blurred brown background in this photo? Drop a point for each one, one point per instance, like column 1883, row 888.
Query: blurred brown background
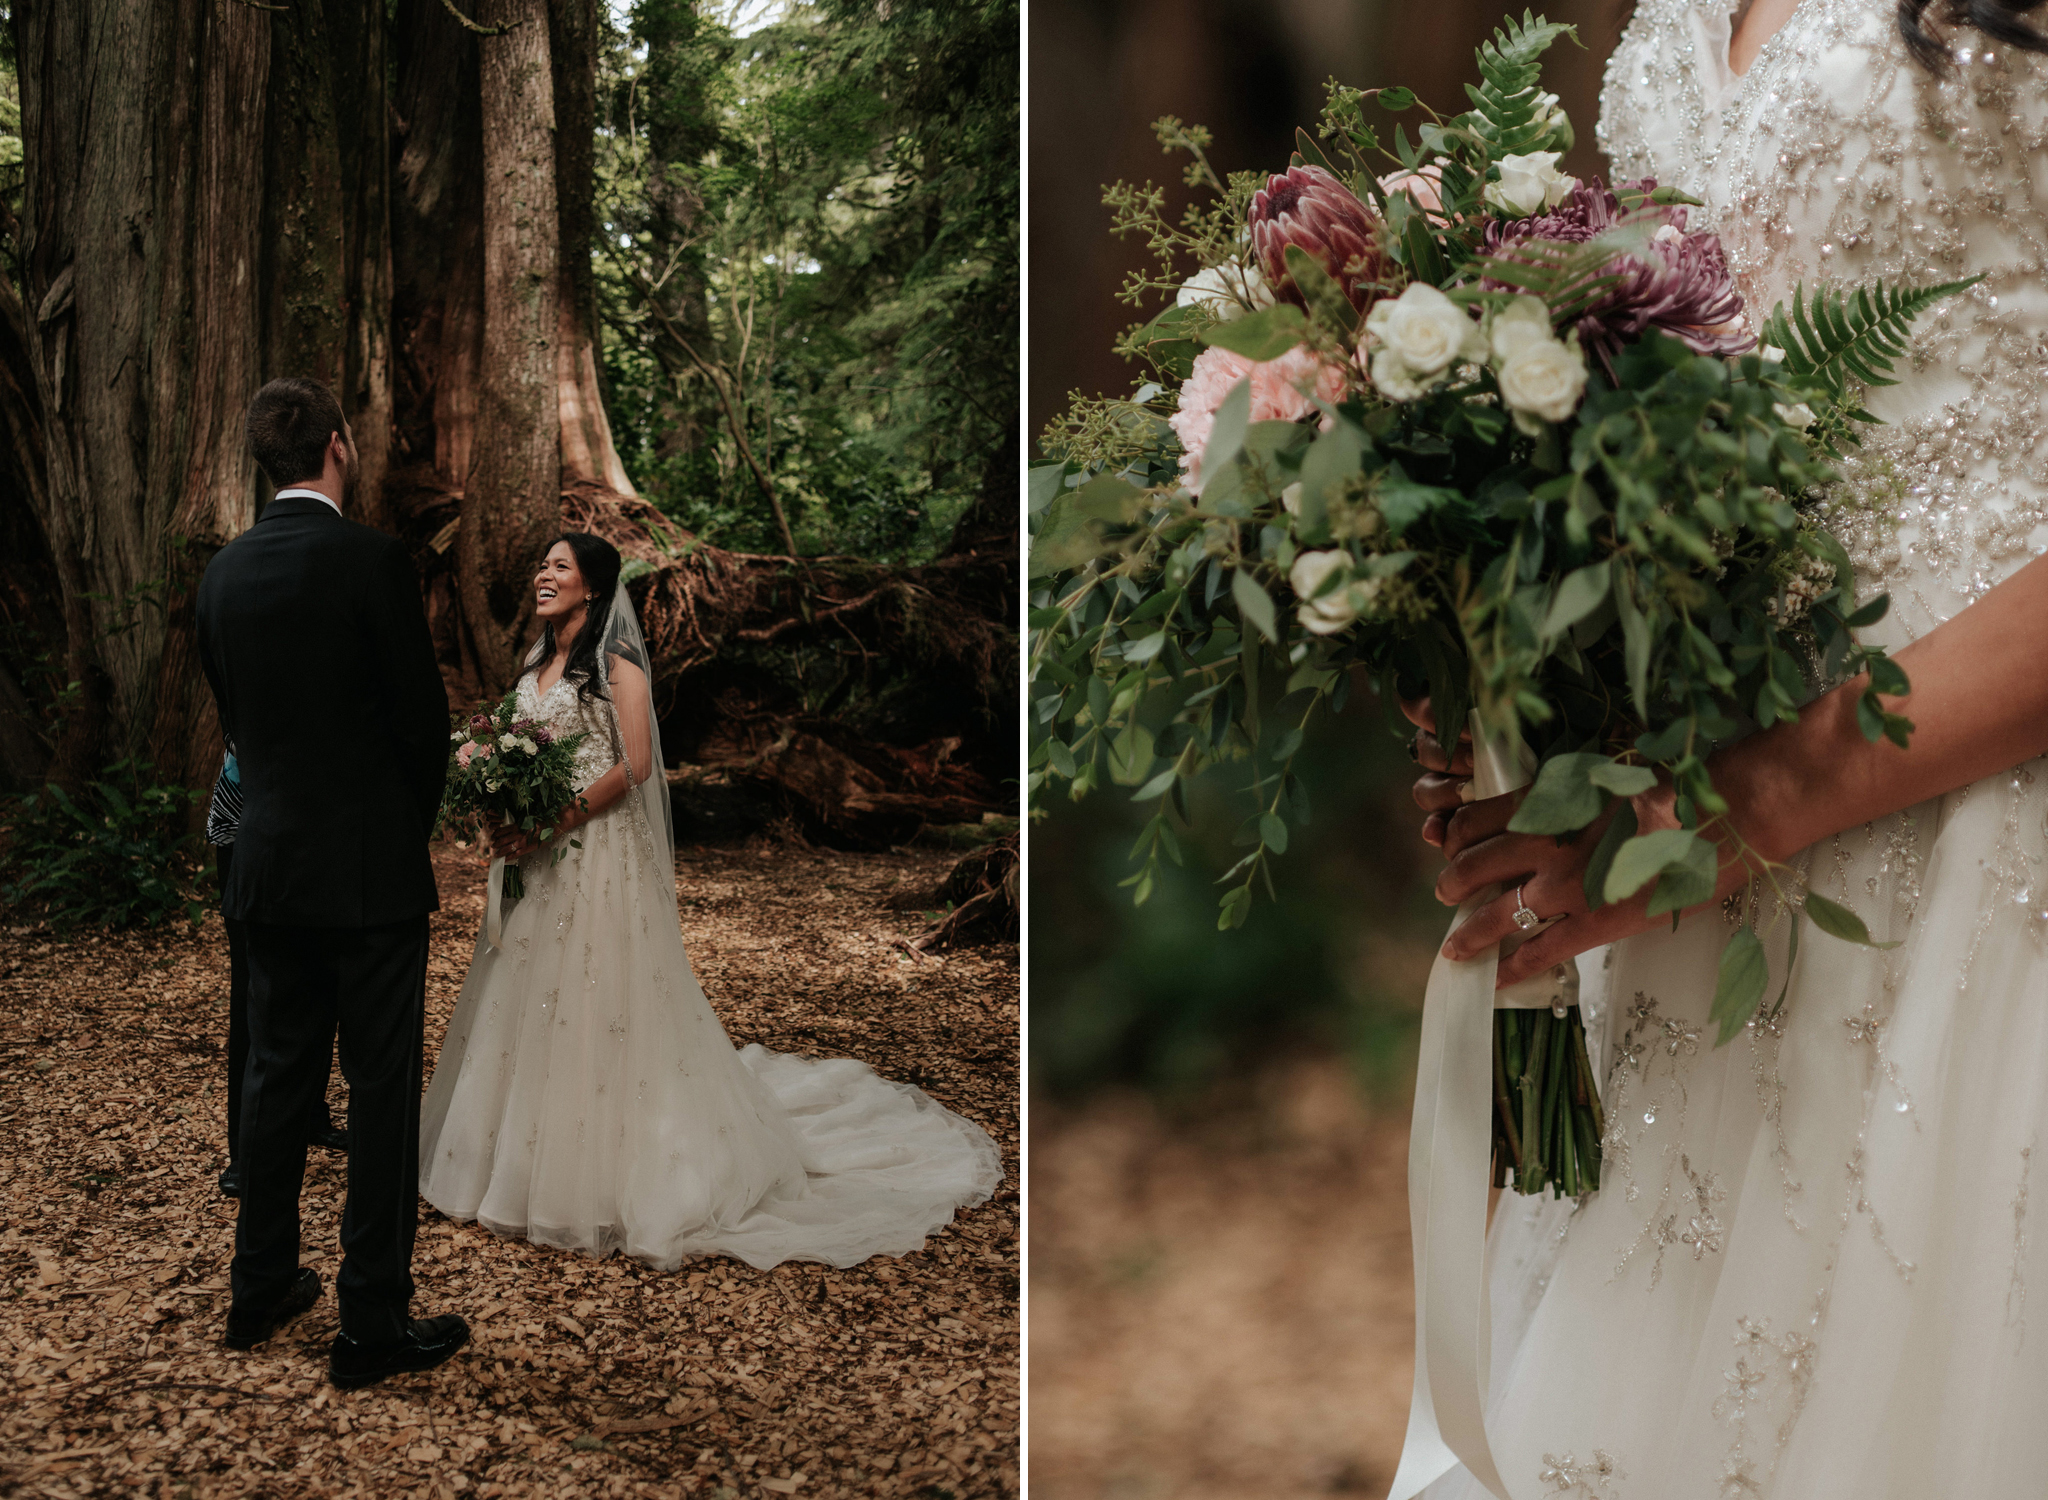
column 1220, row 1274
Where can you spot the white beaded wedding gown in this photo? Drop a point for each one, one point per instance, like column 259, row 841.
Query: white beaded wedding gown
column 587, row 1098
column 1806, row 1275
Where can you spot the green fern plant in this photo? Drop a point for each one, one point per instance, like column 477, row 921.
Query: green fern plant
column 1508, row 113
column 1857, row 336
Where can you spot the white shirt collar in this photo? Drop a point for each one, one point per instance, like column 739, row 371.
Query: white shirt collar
column 310, row 495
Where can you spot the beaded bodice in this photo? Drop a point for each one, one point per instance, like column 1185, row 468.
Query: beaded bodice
column 565, row 712
column 1837, row 158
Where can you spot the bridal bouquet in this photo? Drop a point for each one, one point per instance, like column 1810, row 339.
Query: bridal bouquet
column 1496, row 434
column 508, row 769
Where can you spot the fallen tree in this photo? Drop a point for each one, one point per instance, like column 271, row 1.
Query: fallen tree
column 852, row 701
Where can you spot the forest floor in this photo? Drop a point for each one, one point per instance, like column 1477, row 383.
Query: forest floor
column 585, row 1377
column 1221, row 1296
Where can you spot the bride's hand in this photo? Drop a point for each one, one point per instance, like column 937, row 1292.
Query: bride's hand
column 510, row 841
column 1551, row 878
column 1440, row 791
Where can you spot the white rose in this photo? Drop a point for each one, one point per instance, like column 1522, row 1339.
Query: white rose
column 1550, row 113
column 1290, row 498
column 1770, row 355
column 1424, row 329
column 1341, row 605
column 1543, row 379
column 1228, row 292
column 1392, row 378
column 1794, row 416
column 1524, row 321
column 1529, row 184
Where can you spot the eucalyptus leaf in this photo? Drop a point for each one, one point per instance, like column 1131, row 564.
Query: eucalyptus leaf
column 1687, row 881
column 1254, row 603
column 1131, row 758
column 1319, row 289
column 1620, row 829
column 1564, row 798
column 1043, row 484
column 1260, row 336
column 1226, row 437
column 1579, row 593
column 1745, row 974
column 1145, row 647
column 1158, row 786
column 1644, row 857
column 1623, row 781
column 1839, row 921
column 1635, row 636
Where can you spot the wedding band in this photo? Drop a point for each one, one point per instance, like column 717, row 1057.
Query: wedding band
column 1525, row 919
column 1414, row 749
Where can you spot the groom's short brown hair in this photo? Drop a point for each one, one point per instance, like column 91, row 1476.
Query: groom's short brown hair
column 289, row 424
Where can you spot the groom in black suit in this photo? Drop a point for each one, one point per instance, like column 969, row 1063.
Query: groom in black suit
column 313, row 638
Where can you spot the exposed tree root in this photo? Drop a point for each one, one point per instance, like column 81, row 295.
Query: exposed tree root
column 854, row 700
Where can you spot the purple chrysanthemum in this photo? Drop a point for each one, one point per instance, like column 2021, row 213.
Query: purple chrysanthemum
column 1680, row 286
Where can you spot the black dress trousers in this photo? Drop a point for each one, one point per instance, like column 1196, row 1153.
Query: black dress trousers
column 238, row 1024
column 305, row 985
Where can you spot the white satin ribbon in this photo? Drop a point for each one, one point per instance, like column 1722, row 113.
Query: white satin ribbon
column 1450, row 1145
column 494, row 905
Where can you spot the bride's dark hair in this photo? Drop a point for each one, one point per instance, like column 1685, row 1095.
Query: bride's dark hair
column 1997, row 19
column 598, row 561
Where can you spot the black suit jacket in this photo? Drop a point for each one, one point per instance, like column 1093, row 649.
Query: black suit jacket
column 312, row 635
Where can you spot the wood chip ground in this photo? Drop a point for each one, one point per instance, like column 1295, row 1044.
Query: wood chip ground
column 585, row 1378
column 1221, row 1299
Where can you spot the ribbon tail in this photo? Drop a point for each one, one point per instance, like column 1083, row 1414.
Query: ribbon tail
column 1450, row 1147
column 1450, row 1150
column 494, row 905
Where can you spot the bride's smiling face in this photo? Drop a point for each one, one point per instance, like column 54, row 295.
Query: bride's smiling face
column 559, row 592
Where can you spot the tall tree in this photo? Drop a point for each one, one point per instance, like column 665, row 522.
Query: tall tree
column 208, row 203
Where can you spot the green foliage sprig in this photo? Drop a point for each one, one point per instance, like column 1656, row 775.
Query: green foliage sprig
column 114, row 854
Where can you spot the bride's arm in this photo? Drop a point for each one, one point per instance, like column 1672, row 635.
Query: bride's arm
column 1979, row 703
column 630, row 700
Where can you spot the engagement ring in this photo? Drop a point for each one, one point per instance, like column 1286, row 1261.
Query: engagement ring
column 1525, row 919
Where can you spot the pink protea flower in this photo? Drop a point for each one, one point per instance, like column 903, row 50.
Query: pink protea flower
column 1309, row 207
column 480, row 726
column 1281, row 392
column 1680, row 286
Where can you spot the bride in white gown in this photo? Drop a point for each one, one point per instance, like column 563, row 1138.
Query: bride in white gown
column 586, row 1096
column 1807, row 1273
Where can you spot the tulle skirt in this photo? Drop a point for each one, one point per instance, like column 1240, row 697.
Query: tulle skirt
column 1806, row 1275
column 586, row 1096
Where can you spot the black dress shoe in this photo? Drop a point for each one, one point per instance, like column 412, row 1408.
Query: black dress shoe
column 231, row 1181
column 330, row 1136
column 425, row 1343
column 247, row 1330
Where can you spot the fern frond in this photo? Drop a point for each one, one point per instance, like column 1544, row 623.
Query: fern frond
column 1507, row 111
column 1840, row 337
column 1568, row 277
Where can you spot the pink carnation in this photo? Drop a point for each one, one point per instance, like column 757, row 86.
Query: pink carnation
column 1281, row 392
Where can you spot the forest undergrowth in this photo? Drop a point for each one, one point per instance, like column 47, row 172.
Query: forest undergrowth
column 897, row 1377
